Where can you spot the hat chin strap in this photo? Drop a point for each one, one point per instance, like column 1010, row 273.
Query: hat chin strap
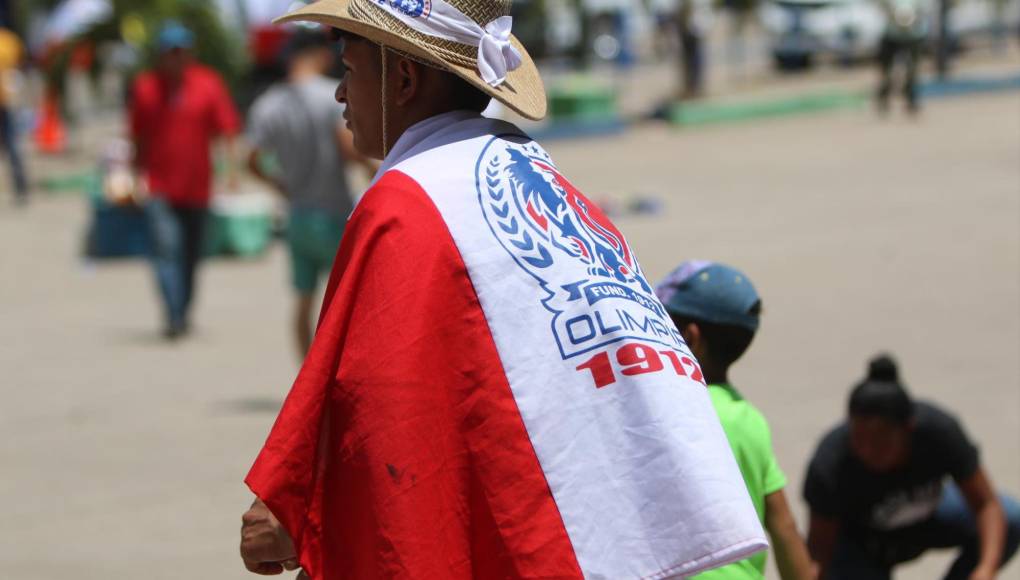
column 385, row 108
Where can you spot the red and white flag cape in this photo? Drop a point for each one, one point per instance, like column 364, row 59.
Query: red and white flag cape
column 494, row 390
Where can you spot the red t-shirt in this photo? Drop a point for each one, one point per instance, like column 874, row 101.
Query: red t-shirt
column 176, row 129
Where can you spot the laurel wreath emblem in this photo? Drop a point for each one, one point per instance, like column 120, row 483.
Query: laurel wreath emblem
column 532, row 250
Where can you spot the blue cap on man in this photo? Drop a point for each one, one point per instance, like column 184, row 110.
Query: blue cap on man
column 174, row 35
column 711, row 292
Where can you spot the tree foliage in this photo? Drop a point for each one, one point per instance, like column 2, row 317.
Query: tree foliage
column 217, row 45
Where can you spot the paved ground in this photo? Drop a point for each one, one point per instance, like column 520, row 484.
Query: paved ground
column 123, row 456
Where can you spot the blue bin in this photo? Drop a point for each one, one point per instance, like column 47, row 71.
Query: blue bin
column 118, row 232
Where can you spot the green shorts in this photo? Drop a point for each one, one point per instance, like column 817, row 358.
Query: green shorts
column 314, row 238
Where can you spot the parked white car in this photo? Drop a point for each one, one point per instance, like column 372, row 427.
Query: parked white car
column 803, row 31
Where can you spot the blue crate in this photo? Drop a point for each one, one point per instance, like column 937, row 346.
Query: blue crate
column 118, row 232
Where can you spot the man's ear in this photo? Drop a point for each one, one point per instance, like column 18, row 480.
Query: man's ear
column 692, row 335
column 695, row 341
column 408, row 80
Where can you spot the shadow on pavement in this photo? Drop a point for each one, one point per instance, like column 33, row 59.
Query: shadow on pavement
column 248, row 406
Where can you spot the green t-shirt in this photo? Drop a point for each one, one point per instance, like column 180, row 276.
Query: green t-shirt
column 751, row 441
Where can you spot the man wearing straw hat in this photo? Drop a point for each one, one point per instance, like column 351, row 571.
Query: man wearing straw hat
column 493, row 391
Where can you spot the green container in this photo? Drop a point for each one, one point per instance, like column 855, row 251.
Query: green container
column 692, row 114
column 244, row 235
column 72, row 183
column 582, row 101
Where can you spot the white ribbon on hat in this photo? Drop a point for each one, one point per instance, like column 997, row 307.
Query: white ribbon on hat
column 496, row 55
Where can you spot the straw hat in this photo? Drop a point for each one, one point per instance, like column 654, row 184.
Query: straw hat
column 384, row 22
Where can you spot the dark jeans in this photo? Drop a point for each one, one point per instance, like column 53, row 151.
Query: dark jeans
column 907, row 52
column 952, row 526
column 177, row 236
column 9, row 141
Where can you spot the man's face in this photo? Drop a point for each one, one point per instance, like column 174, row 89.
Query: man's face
column 880, row 444
column 173, row 62
column 361, row 91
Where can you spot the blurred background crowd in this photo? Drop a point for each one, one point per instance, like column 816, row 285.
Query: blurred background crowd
column 69, row 62
column 77, row 56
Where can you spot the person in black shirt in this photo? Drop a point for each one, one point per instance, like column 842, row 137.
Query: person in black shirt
column 877, row 492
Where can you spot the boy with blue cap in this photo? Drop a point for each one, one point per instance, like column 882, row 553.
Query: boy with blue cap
column 717, row 310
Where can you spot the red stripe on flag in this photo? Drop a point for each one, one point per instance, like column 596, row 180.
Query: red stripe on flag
column 400, row 451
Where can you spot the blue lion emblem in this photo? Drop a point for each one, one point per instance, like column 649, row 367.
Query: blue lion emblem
column 570, row 222
column 592, row 283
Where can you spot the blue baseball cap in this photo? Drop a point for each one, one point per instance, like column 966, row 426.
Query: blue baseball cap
column 711, row 292
column 175, row 35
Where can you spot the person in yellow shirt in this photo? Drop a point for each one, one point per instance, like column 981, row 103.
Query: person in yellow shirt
column 10, row 59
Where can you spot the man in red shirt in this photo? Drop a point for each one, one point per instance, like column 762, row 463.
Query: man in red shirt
column 176, row 112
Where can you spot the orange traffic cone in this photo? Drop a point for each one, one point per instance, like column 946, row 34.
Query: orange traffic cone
column 50, row 134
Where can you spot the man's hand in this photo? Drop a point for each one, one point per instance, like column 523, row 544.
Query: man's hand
column 233, row 181
column 265, row 546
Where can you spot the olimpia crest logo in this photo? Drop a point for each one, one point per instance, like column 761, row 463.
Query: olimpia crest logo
column 597, row 291
column 412, row 8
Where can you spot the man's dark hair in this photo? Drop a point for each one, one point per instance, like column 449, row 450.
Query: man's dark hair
column 881, row 394
column 725, row 343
